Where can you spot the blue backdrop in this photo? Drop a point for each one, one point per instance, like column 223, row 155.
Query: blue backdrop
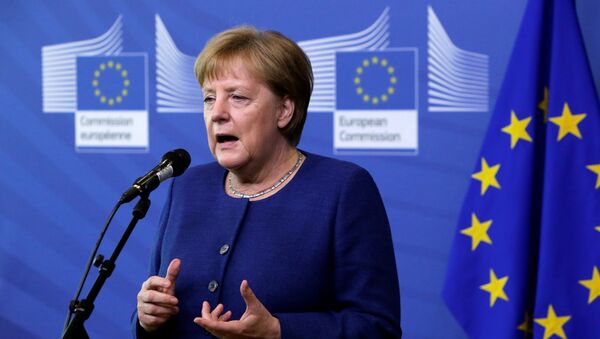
column 69, row 154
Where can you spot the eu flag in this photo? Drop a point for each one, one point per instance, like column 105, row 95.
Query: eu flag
column 376, row 80
column 111, row 83
column 526, row 255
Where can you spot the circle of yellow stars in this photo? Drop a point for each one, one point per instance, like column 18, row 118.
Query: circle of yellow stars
column 568, row 124
column 367, row 64
column 111, row 66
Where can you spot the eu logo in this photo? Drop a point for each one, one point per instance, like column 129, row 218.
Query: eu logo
column 111, row 83
column 375, row 80
column 376, row 102
column 112, row 105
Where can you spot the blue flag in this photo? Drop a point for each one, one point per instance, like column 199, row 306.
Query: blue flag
column 526, row 255
column 111, row 83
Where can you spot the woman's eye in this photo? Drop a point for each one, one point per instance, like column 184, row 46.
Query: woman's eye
column 238, row 97
column 209, row 99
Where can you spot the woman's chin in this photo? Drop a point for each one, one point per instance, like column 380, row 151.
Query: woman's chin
column 230, row 161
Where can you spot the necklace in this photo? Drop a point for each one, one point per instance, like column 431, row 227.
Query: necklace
column 267, row 190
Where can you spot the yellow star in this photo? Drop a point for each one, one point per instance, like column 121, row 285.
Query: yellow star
column 478, row 232
column 543, row 105
column 597, row 228
column 596, row 169
column 553, row 324
column 495, row 287
column 568, row 122
column 527, row 325
column 517, row 129
column 487, row 176
column 593, row 285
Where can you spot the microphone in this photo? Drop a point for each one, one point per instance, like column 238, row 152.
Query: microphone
column 172, row 164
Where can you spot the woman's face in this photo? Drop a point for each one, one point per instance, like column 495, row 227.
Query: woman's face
column 242, row 118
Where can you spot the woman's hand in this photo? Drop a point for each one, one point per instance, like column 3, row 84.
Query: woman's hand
column 156, row 301
column 256, row 322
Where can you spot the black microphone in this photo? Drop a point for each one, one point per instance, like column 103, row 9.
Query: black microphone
column 172, row 164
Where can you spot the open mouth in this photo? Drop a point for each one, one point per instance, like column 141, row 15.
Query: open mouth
column 226, row 138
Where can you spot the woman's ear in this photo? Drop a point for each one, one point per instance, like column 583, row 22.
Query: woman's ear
column 286, row 112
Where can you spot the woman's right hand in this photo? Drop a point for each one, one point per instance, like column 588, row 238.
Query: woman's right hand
column 156, row 301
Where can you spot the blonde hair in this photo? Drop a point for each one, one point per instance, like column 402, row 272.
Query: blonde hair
column 272, row 58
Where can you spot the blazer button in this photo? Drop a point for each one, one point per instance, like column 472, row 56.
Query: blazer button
column 213, row 285
column 224, row 249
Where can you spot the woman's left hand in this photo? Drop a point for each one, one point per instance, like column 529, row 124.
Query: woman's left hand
column 256, row 322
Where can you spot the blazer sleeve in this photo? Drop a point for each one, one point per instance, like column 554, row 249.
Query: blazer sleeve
column 367, row 296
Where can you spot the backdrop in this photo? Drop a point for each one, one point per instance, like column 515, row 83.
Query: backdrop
column 93, row 93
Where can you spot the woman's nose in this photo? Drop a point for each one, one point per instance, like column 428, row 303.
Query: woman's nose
column 220, row 109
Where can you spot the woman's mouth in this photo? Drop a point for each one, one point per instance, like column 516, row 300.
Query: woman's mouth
column 226, row 139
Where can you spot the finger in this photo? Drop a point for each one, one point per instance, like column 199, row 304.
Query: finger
column 155, row 283
column 173, row 270
column 202, row 322
column 150, row 321
column 159, row 298
column 205, row 310
column 249, row 296
column 158, row 311
column 226, row 316
column 216, row 312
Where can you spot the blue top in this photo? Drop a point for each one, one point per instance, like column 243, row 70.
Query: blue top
column 318, row 254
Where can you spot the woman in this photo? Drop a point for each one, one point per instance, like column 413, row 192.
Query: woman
column 308, row 233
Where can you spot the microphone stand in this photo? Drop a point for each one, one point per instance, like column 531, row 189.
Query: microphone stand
column 83, row 309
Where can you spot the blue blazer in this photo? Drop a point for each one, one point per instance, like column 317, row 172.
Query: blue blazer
column 318, row 254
